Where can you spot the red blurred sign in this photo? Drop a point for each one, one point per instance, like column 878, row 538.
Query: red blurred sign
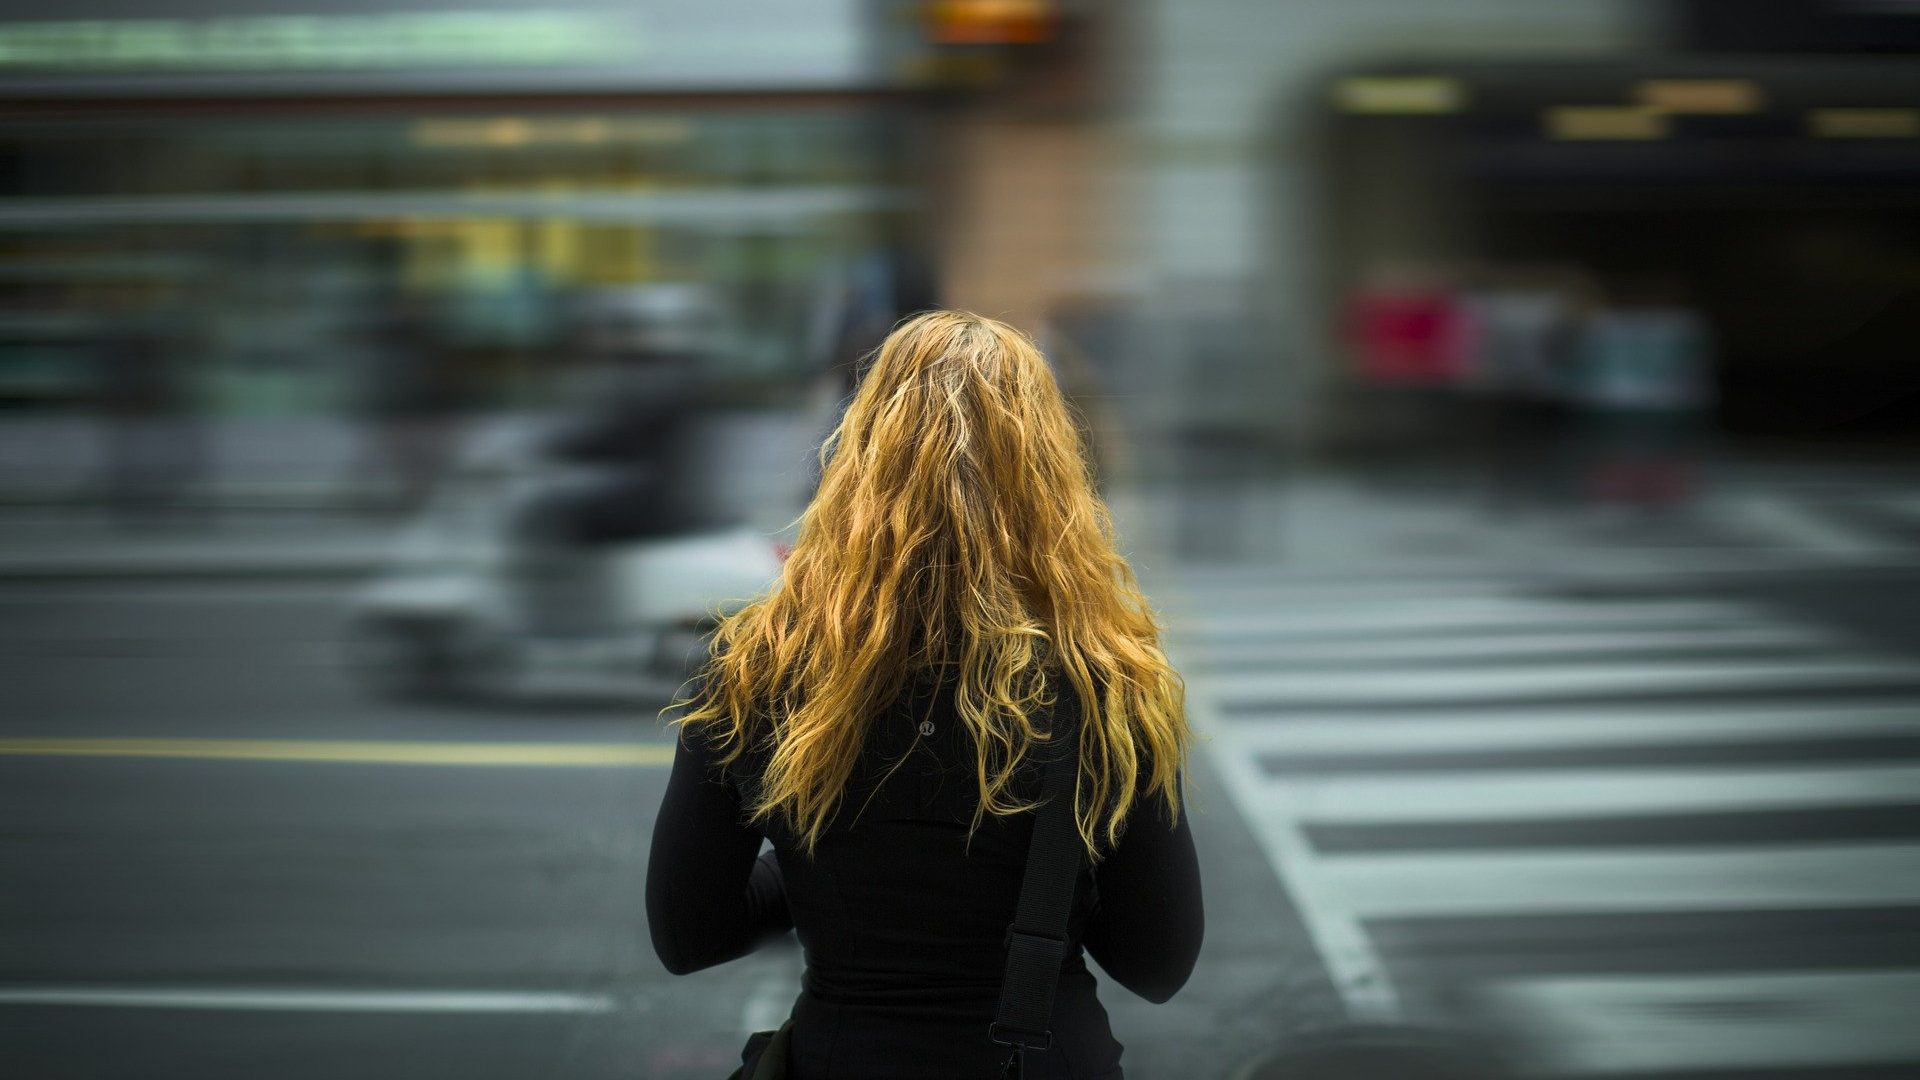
column 1415, row 336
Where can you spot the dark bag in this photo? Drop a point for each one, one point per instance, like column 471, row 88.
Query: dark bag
column 765, row 1055
column 1037, row 938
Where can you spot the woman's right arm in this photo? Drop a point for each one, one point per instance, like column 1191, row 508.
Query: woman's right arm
column 1147, row 929
column 709, row 898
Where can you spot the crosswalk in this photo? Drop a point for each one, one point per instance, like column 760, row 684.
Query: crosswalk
column 1637, row 835
column 1757, row 526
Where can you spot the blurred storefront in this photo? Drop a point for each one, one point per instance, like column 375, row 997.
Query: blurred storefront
column 1485, row 218
column 283, row 202
column 1739, row 194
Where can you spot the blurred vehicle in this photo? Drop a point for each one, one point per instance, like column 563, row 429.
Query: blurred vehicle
column 466, row 611
column 579, row 554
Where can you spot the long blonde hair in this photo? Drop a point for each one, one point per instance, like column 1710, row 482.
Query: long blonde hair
column 956, row 527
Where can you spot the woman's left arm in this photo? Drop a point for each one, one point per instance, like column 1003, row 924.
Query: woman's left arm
column 709, row 899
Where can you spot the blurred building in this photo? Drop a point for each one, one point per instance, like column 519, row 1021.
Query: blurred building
column 428, row 200
column 1234, row 210
column 1186, row 200
column 1755, row 159
column 1755, row 171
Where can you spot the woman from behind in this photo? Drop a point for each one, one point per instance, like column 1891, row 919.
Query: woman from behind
column 880, row 716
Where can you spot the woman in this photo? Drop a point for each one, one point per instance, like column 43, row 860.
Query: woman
column 878, row 716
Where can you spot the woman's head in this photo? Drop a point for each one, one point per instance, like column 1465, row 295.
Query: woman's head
column 956, row 530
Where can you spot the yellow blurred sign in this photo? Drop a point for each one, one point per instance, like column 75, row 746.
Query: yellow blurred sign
column 1875, row 123
column 1700, row 95
column 1403, row 94
column 514, row 131
column 1606, row 122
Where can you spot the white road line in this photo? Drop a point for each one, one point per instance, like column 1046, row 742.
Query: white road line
column 1604, row 1024
column 1496, row 647
column 1492, row 685
column 1435, row 574
column 350, row 751
column 1664, row 879
column 291, row 1000
column 1636, row 564
column 1258, row 594
column 203, row 593
column 1337, row 894
column 1788, row 521
column 1471, row 730
column 1464, row 614
column 1547, row 794
column 1353, row 965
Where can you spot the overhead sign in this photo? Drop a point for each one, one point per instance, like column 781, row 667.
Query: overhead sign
column 84, row 49
column 1399, row 94
column 278, row 42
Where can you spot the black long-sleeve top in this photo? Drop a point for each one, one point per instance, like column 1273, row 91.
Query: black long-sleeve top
column 902, row 918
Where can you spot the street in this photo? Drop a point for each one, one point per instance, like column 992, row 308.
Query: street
column 1499, row 415
column 1612, row 809
column 1641, row 809
column 226, row 916
column 496, row 908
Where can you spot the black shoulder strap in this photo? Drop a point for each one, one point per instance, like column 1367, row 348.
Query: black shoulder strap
column 1037, row 940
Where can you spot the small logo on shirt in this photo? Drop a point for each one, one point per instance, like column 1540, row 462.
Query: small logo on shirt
column 926, row 729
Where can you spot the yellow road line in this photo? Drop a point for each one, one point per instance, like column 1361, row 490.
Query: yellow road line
column 372, row 752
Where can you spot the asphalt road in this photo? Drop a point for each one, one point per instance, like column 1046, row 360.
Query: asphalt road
column 326, row 885
column 1656, row 826
column 216, row 917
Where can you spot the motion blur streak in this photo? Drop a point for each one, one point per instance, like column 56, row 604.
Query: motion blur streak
column 277, row 998
column 377, row 753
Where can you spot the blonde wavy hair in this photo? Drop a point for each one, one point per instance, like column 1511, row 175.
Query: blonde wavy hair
column 956, row 528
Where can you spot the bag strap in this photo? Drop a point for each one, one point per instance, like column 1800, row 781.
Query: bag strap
column 1037, row 939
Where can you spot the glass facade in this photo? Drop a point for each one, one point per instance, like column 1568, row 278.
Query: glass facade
column 273, row 238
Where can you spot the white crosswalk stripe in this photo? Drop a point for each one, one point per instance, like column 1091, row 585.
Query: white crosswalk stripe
column 1795, row 524
column 1505, row 647
column 1452, row 614
column 1850, row 525
column 1506, row 795
column 1470, row 684
column 1384, row 732
column 1505, row 883
column 1432, row 754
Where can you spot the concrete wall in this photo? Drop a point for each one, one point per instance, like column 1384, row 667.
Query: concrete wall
column 1030, row 219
